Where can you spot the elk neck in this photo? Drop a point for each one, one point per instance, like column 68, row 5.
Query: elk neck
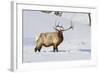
column 60, row 34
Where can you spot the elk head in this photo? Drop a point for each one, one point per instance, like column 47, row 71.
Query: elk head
column 60, row 28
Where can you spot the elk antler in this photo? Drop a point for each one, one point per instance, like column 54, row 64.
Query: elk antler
column 71, row 27
column 61, row 27
column 56, row 25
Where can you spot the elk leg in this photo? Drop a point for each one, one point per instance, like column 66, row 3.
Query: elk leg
column 57, row 49
column 39, row 50
column 54, row 49
column 36, row 49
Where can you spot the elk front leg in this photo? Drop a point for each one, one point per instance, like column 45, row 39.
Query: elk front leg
column 55, row 49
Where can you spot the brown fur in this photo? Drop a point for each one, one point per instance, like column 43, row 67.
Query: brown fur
column 49, row 39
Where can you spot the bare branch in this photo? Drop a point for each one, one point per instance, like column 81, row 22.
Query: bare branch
column 46, row 11
column 89, row 18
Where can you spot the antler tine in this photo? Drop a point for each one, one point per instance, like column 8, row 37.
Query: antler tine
column 59, row 25
column 71, row 27
column 56, row 26
column 56, row 23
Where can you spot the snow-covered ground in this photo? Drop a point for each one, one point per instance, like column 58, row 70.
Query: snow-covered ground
column 47, row 54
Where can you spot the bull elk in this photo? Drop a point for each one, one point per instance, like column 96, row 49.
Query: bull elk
column 48, row 39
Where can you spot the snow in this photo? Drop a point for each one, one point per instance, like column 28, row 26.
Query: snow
column 47, row 54
column 76, row 44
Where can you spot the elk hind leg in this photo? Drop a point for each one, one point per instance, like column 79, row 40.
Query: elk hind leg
column 36, row 50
